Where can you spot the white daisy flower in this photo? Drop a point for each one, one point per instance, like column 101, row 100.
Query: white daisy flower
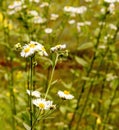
column 110, row 77
column 35, row 46
column 81, row 10
column 88, row 0
column 76, row 10
column 33, row 93
column 36, row 1
column 39, row 20
column 71, row 21
column 42, row 104
column 26, row 51
column 65, row 95
column 32, row 48
column 48, row 30
column 112, row 26
column 16, row 5
column 110, row 1
column 33, row 13
column 42, row 52
column 58, row 47
column 44, row 4
column 39, row 48
column 111, row 8
column 54, row 16
column 69, row 9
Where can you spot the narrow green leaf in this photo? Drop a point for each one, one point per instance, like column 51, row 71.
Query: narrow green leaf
column 85, row 46
column 27, row 127
column 80, row 61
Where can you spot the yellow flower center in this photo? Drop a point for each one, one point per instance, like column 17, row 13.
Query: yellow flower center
column 41, row 105
column 58, row 46
column 66, row 92
column 43, row 49
column 27, row 49
column 32, row 45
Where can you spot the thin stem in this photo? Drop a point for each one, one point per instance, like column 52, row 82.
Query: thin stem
column 109, row 108
column 36, row 119
column 31, row 88
column 52, row 73
column 12, row 97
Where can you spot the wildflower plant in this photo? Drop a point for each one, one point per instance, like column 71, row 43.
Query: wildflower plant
column 30, row 51
column 59, row 59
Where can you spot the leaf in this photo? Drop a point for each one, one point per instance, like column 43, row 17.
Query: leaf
column 85, row 46
column 66, row 85
column 80, row 61
column 63, row 109
column 27, row 127
column 116, row 102
column 54, row 82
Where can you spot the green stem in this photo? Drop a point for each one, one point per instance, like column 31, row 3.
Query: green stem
column 52, row 73
column 12, row 97
column 110, row 106
column 31, row 88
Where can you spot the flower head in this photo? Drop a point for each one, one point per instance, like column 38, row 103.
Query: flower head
column 48, row 30
column 33, row 13
column 42, row 104
column 32, row 48
column 110, row 1
column 17, row 46
column 39, row 20
column 36, row 1
column 65, row 95
column 27, row 51
column 54, row 16
column 33, row 93
column 15, row 7
column 58, row 47
column 75, row 10
column 44, row 4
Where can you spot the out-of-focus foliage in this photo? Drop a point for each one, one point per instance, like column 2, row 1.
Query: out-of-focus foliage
column 88, row 68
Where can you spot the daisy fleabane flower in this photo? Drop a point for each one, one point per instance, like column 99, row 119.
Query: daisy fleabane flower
column 36, row 1
column 48, row 30
column 33, row 93
column 110, row 1
column 42, row 104
column 54, row 16
column 65, row 95
column 75, row 10
column 26, row 51
column 58, row 47
column 32, row 48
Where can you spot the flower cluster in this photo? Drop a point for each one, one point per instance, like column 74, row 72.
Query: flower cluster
column 35, row 1
column 33, row 47
column 44, row 104
column 39, row 102
column 58, row 47
column 15, row 7
column 111, row 1
column 35, row 17
column 75, row 10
